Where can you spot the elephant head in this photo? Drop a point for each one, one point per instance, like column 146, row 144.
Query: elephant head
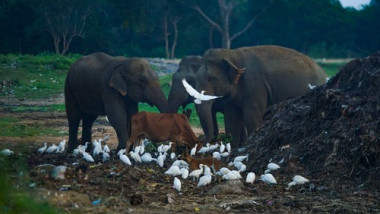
column 134, row 78
column 218, row 75
column 187, row 69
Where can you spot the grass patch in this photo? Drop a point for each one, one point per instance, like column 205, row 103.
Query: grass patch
column 15, row 196
column 11, row 127
column 331, row 68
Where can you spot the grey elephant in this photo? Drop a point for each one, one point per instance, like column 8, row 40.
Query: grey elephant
column 178, row 95
column 250, row 79
column 99, row 84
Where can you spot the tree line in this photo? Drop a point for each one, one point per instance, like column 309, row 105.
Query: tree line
column 176, row 28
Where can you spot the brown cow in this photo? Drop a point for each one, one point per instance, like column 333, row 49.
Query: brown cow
column 159, row 127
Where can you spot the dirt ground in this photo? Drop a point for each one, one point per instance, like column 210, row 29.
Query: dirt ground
column 290, row 136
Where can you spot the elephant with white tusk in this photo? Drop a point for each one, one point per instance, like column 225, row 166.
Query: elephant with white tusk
column 250, row 79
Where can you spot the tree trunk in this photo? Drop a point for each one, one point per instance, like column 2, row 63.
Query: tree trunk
column 166, row 37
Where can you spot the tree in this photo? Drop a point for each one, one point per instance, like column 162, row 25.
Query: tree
column 225, row 10
column 64, row 20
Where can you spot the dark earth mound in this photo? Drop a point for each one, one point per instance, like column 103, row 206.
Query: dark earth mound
column 331, row 135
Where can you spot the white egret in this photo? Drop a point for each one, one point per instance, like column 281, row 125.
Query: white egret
column 271, row 167
column 172, row 156
column 106, row 156
column 6, row 152
column 87, row 157
column 61, row 146
column 106, row 148
column 268, row 178
column 135, row 156
column 165, row 148
column 160, row 160
column 222, row 147
column 228, row 147
column 42, row 149
column 216, row 155
column 174, row 171
column 124, row 158
column 241, row 158
column 193, row 150
column 185, row 173
column 250, row 178
column 197, row 172
column 146, row 158
column 52, row 148
column 311, row 86
column 199, row 97
column 206, row 178
column 177, row 184
column 298, row 180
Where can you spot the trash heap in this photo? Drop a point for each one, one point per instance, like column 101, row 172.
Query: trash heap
column 331, row 135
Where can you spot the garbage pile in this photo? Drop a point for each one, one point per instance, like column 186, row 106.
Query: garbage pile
column 331, row 135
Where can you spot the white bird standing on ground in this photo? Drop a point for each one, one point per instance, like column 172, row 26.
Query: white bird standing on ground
column 241, row 158
column 298, row 180
column 271, row 167
column 250, row 178
column 61, row 146
column 185, row 173
column 199, row 97
column 172, row 156
column 177, row 184
column 173, row 171
column 216, row 155
column 106, row 148
column 160, row 160
column 228, row 147
column 135, row 156
column 268, row 178
column 51, row 148
column 42, row 149
column 197, row 172
column 87, row 157
column 106, row 156
column 97, row 150
column 165, row 148
column 222, row 147
column 193, row 150
column 232, row 175
column 180, row 163
column 6, row 152
column 206, row 178
column 204, row 149
column 124, row 158
column 146, row 158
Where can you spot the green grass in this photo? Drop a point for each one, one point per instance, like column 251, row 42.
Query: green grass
column 15, row 194
column 11, row 127
column 331, row 68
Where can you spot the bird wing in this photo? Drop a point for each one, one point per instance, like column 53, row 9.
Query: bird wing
column 207, row 97
column 190, row 89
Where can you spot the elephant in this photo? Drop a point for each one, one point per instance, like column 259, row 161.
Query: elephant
column 250, row 79
column 178, row 95
column 100, row 84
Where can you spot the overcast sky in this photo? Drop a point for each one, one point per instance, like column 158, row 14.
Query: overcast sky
column 354, row 3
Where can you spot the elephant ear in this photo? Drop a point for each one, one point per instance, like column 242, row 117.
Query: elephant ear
column 233, row 71
column 118, row 82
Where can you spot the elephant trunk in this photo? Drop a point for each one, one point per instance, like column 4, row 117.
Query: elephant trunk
column 177, row 97
column 205, row 117
column 161, row 102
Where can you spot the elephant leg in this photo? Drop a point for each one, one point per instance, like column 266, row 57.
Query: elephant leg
column 74, row 120
column 132, row 108
column 88, row 120
column 253, row 116
column 233, row 119
column 118, row 120
column 74, row 117
column 215, row 124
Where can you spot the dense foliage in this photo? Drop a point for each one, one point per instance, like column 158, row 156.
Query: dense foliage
column 320, row 28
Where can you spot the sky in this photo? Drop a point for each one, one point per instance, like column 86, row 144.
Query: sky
column 357, row 4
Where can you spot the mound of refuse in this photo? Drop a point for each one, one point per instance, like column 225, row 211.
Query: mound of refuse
column 331, row 135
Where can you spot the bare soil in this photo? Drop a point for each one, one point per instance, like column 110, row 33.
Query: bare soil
column 331, row 136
